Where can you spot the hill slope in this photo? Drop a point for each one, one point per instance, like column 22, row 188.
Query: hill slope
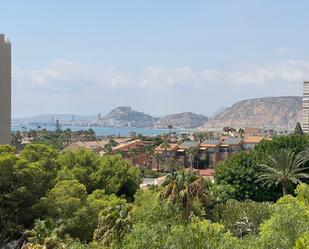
column 278, row 112
column 124, row 116
column 182, row 120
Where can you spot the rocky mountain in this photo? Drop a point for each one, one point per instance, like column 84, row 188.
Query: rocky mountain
column 182, row 120
column 127, row 117
column 122, row 116
column 278, row 112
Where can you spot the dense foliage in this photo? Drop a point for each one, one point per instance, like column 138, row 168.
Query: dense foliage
column 71, row 187
column 78, row 200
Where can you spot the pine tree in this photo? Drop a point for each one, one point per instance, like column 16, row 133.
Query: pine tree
column 298, row 130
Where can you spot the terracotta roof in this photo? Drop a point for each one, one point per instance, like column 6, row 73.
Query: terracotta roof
column 172, row 147
column 87, row 145
column 253, row 130
column 206, row 172
column 127, row 144
column 253, row 139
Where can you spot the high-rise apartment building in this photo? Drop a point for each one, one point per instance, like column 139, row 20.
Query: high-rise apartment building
column 5, row 90
column 306, row 107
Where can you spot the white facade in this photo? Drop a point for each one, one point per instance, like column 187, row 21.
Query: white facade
column 5, row 90
column 305, row 120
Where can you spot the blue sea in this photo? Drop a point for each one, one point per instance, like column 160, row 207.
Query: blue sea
column 105, row 131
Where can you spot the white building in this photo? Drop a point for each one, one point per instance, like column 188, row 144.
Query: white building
column 306, row 107
column 5, row 90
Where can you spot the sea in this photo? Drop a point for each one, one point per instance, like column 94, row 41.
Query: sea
column 104, row 131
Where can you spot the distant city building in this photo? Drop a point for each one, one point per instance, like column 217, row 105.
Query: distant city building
column 5, row 90
column 306, row 107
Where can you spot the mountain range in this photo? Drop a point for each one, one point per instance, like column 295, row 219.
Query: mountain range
column 127, row 117
column 267, row 112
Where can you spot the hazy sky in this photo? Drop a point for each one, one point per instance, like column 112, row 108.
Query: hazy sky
column 158, row 56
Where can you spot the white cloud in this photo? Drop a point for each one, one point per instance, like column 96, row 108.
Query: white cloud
column 75, row 87
column 66, row 76
column 285, row 51
column 284, row 71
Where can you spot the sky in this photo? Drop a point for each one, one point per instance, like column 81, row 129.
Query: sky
column 157, row 56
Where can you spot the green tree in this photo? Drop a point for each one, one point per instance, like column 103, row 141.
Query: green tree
column 298, row 130
column 172, row 165
column 43, row 232
column 302, row 242
column 165, row 145
column 110, row 145
column 295, row 143
column 199, row 136
column 288, row 222
column 79, row 165
column 200, row 234
column 65, row 199
column 159, row 158
column 170, row 127
column 84, row 222
column 116, row 176
column 241, row 132
column 241, row 171
column 133, row 153
column 38, row 152
column 185, row 189
column 195, row 235
column 284, row 167
column 8, row 207
column 7, row 149
column 22, row 184
column 242, row 218
column 16, row 139
column 113, row 224
column 191, row 153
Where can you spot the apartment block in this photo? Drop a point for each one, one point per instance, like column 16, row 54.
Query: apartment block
column 5, row 90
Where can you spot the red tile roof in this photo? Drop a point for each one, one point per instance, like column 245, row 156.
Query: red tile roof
column 172, row 147
column 206, row 172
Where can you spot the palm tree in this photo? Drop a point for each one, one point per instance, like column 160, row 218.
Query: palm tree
column 191, row 152
column 241, row 132
column 113, row 224
column 132, row 154
column 170, row 127
column 148, row 151
column 199, row 136
column 158, row 157
column 108, row 148
column 284, row 167
column 42, row 231
column 165, row 145
column 185, row 188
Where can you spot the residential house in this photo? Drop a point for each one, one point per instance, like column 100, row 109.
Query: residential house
column 229, row 146
column 251, row 141
column 182, row 153
column 167, row 153
column 209, row 153
column 131, row 150
column 96, row 146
